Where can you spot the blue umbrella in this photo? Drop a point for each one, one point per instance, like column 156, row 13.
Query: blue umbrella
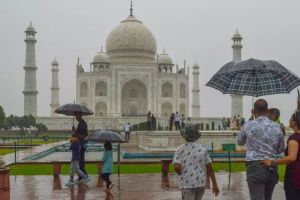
column 254, row 78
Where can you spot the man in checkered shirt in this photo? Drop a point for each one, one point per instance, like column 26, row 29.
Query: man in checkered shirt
column 192, row 164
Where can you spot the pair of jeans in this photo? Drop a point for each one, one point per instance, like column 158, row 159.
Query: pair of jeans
column 192, row 193
column 75, row 168
column 261, row 180
column 105, row 177
column 82, row 159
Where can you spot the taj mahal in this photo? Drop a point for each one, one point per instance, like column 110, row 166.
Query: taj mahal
column 125, row 81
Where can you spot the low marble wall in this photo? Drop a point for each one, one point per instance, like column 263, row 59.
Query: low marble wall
column 96, row 123
column 169, row 140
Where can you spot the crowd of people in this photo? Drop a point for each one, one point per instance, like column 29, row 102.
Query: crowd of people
column 178, row 121
column 234, row 123
column 263, row 134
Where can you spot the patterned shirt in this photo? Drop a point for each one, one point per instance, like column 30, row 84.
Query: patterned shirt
column 263, row 137
column 193, row 158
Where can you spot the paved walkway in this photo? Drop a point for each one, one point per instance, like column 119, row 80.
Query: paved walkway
column 127, row 187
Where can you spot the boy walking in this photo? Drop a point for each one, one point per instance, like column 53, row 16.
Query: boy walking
column 192, row 164
column 75, row 147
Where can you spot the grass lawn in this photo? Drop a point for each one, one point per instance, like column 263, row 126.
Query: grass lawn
column 47, row 169
column 6, row 151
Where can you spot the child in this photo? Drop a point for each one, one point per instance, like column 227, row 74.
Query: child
column 107, row 169
column 75, row 147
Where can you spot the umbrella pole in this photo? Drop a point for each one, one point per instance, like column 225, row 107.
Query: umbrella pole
column 118, row 159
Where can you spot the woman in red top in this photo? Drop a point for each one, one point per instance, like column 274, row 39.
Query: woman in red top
column 292, row 160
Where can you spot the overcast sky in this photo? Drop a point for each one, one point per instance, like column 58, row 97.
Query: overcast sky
column 194, row 30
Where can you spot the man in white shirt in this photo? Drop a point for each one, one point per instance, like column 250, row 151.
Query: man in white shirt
column 177, row 121
column 127, row 131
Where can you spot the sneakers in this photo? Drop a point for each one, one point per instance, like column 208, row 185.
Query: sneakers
column 87, row 179
column 70, row 184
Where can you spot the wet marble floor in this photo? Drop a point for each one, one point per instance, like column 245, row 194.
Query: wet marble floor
column 127, row 187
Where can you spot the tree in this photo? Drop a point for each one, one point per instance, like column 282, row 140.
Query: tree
column 41, row 128
column 10, row 122
column 2, row 117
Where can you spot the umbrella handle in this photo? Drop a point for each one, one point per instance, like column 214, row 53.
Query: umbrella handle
column 298, row 99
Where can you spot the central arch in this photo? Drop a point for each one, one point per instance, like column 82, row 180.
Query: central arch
column 134, row 98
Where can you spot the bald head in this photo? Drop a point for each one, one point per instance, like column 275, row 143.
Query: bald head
column 261, row 107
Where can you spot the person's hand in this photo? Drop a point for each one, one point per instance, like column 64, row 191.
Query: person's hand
column 215, row 190
column 266, row 163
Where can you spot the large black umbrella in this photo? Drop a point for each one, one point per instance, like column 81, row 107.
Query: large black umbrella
column 108, row 136
column 71, row 108
column 254, row 78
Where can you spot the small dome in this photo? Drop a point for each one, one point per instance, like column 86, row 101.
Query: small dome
column 164, row 59
column 131, row 41
column 237, row 35
column 55, row 62
column 101, row 57
column 30, row 28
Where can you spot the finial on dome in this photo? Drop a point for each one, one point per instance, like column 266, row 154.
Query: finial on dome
column 164, row 51
column 101, row 49
column 78, row 60
column 131, row 9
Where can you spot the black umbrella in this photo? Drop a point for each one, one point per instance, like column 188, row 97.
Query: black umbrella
column 254, row 78
column 71, row 109
column 108, row 136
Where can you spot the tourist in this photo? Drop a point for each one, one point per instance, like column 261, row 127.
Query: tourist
column 193, row 164
column 82, row 133
column 127, row 131
column 224, row 124
column 242, row 122
column 274, row 114
column 233, row 123
column 182, row 121
column 238, row 122
column 75, row 147
column 264, row 140
column 153, row 122
column 188, row 121
column 107, row 169
column 177, row 120
column 292, row 160
column 171, row 121
column 149, row 120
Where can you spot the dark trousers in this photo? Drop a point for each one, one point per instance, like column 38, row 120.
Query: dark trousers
column 261, row 181
column 81, row 161
column 177, row 125
column 105, row 177
column 290, row 192
column 127, row 135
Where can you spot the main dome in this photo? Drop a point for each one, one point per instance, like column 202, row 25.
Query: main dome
column 131, row 42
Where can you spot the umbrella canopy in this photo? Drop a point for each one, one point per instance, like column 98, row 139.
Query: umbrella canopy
column 72, row 108
column 106, row 136
column 254, row 78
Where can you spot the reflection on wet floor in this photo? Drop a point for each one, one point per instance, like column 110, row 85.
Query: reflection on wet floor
column 127, row 187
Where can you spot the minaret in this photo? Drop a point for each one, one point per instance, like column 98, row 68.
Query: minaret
column 54, row 88
column 237, row 100
column 30, row 91
column 196, row 92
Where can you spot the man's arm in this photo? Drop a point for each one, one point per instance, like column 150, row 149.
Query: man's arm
column 211, row 174
column 177, row 161
column 241, row 138
column 280, row 148
column 177, row 168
